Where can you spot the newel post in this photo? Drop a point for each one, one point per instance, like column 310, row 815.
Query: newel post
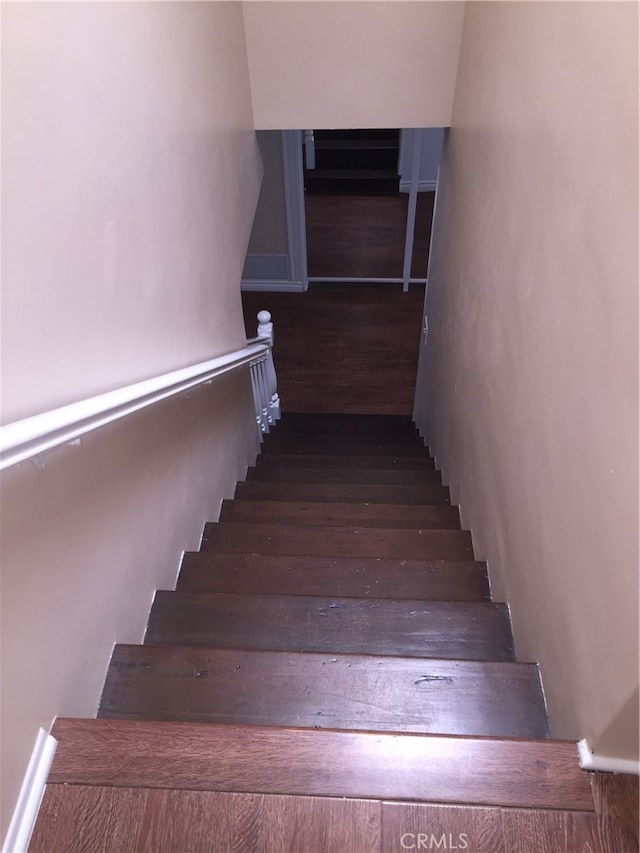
column 265, row 333
column 263, row 378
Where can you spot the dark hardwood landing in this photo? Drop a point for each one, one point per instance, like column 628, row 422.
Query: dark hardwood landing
column 293, row 540
column 265, row 688
column 480, row 771
column 359, row 341
column 379, row 577
column 470, row 631
column 339, row 515
column 362, row 236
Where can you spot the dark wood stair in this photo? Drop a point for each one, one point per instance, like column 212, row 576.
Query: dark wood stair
column 329, row 674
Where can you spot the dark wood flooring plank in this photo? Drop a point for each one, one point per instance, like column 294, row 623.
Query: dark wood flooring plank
column 337, row 541
column 195, row 684
column 475, row 631
column 89, row 820
column 438, row 580
column 347, row 460
column 617, row 795
column 497, row 830
column 347, row 476
column 342, row 493
column 542, row 774
column 211, row 822
column 439, row 517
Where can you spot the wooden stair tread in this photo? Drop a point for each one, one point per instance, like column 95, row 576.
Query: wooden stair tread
column 480, row 771
column 346, row 460
column 307, row 689
column 342, row 493
column 343, row 576
column 344, row 475
column 337, row 541
column 439, row 517
column 471, row 631
column 277, row 443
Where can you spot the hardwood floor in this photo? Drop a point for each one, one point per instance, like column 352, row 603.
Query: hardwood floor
column 363, row 236
column 344, row 348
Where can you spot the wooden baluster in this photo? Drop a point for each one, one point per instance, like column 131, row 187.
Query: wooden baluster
column 253, row 369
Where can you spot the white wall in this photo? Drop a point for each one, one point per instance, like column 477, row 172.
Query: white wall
column 352, row 64
column 528, row 387
column 130, row 178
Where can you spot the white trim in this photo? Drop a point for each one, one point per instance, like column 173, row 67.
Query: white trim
column 274, row 284
column 605, row 764
column 411, row 209
column 28, row 438
column 423, row 186
column 25, row 813
column 294, row 202
column 274, row 266
column 341, row 279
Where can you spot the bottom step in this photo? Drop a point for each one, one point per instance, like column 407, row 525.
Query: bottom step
column 480, row 771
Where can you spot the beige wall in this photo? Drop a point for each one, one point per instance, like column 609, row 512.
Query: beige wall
column 130, row 178
column 528, row 388
column 352, row 64
column 269, row 233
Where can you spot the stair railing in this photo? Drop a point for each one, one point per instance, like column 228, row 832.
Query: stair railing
column 263, row 378
column 31, row 437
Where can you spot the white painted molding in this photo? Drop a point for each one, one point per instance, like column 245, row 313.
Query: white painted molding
column 32, row 436
column 346, row 280
column 423, row 186
column 294, row 202
column 266, row 266
column 273, row 285
column 605, row 764
column 25, row 813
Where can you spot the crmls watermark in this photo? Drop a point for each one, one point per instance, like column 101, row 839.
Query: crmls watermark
column 429, row 841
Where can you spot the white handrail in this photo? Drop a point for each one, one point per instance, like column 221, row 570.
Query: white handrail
column 32, row 436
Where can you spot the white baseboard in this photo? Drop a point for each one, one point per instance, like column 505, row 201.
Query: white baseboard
column 423, row 186
column 605, row 764
column 25, row 813
column 273, row 285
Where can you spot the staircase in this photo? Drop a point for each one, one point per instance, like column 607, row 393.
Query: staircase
column 330, row 674
column 355, row 161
